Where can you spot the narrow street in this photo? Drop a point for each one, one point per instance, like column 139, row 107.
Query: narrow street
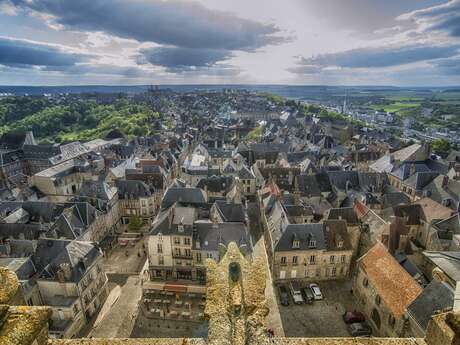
column 118, row 320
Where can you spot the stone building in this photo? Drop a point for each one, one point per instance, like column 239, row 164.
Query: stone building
column 384, row 291
column 136, row 199
column 239, row 296
column 312, row 252
column 62, row 181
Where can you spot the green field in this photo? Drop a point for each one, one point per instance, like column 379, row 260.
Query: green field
column 396, row 107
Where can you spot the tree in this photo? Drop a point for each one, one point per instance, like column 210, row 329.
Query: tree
column 135, row 223
column 441, row 145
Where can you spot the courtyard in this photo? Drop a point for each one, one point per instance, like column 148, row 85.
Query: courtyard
column 322, row 318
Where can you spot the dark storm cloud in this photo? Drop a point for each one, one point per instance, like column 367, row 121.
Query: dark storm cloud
column 379, row 56
column 178, row 23
column 26, row 54
column 445, row 17
column 178, row 57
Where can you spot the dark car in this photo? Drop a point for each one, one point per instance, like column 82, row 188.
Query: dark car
column 284, row 295
column 359, row 329
column 308, row 295
column 353, row 317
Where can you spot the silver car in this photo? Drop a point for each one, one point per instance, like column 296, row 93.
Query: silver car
column 316, row 291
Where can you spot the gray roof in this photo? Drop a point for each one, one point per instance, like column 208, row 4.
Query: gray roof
column 304, row 233
column 346, row 213
column 133, row 188
column 210, row 235
column 448, row 262
column 51, row 253
column 326, row 236
column 231, row 212
column 184, row 195
column 434, row 298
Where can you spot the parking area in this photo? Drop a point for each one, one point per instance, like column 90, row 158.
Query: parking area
column 322, row 318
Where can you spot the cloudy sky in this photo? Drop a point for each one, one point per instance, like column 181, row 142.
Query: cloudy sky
column 352, row 42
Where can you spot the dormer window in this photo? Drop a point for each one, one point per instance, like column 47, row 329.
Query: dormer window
column 312, row 243
column 296, row 244
column 340, row 244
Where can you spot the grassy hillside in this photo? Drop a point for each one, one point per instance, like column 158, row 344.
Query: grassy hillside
column 81, row 120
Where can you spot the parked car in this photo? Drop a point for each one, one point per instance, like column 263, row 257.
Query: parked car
column 360, row 329
column 308, row 295
column 316, row 291
column 353, row 317
column 284, row 295
column 296, row 294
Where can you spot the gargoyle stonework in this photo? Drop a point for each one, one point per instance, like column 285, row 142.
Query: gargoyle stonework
column 236, row 305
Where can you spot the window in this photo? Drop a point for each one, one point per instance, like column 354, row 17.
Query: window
column 377, row 300
column 334, row 271
column 188, row 252
column 342, row 259
column 198, row 257
column 365, row 282
column 318, row 272
column 391, row 321
column 187, row 241
column 312, row 259
column 294, row 260
column 283, row 260
column 176, row 240
column 296, row 244
column 159, row 248
column 143, row 203
column 332, row 259
column 209, row 255
column 177, row 251
column 312, row 244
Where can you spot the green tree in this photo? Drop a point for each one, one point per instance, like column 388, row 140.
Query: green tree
column 440, row 145
column 135, row 223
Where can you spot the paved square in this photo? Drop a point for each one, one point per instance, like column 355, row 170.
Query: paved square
column 322, row 318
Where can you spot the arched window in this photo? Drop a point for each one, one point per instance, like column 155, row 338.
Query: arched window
column 376, row 317
column 391, row 321
column 365, row 282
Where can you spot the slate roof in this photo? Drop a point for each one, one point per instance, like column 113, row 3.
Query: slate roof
column 245, row 174
column 97, row 189
column 184, row 195
column 133, row 188
column 314, row 185
column 51, row 253
column 448, row 262
column 394, row 199
column 216, row 184
column 325, row 235
column 434, row 298
column 16, row 140
column 346, row 213
column 231, row 212
column 393, row 284
column 210, row 235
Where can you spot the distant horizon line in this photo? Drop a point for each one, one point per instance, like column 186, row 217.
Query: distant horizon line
column 234, row 85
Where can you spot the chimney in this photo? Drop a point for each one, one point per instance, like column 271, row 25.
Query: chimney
column 60, row 276
column 445, row 181
column 66, row 269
